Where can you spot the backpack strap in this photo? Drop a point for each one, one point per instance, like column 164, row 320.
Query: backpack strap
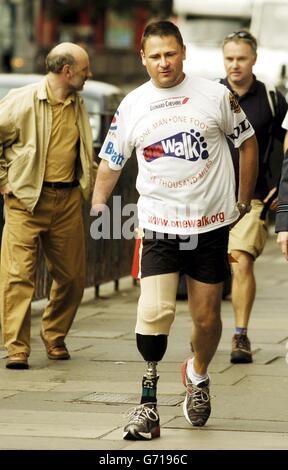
column 272, row 98
column 273, row 103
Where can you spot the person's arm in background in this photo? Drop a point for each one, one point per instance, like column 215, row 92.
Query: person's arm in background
column 278, row 133
column 285, row 145
column 8, row 135
column 281, row 223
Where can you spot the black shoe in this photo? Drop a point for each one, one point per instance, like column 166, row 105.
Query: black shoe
column 241, row 350
column 143, row 424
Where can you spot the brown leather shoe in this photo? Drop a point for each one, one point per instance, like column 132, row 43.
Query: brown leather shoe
column 58, row 352
column 17, row 361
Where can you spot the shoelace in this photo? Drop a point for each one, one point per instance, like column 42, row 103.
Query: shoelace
column 241, row 342
column 199, row 395
column 141, row 413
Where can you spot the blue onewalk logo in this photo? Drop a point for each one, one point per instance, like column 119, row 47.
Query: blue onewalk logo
column 189, row 146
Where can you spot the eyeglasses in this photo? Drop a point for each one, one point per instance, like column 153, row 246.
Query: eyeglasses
column 242, row 35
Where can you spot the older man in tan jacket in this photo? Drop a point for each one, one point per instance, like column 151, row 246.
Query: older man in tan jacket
column 46, row 156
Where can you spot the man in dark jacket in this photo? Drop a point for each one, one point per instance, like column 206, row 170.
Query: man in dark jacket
column 265, row 111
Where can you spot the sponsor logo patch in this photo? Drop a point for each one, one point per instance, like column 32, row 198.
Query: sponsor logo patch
column 114, row 124
column 234, row 105
column 242, row 127
column 188, row 146
column 169, row 103
column 116, row 157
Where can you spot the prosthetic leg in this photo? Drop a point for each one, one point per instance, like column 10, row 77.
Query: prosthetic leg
column 144, row 422
column 156, row 312
column 152, row 348
column 149, row 384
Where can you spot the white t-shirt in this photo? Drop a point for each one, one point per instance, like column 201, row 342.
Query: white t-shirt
column 186, row 178
column 285, row 122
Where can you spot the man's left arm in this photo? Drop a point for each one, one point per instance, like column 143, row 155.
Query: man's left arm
column 239, row 131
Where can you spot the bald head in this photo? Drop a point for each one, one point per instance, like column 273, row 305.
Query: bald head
column 62, row 54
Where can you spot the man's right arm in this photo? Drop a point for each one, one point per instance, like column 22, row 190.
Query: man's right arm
column 248, row 157
column 105, row 183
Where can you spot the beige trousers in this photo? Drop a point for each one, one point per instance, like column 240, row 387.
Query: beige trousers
column 250, row 233
column 58, row 221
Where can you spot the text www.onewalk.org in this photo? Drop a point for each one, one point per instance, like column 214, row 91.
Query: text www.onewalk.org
column 186, row 223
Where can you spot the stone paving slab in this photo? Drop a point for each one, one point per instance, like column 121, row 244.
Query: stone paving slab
column 27, row 385
column 121, row 387
column 115, row 350
column 271, row 371
column 241, row 401
column 268, row 335
column 98, row 333
column 262, row 356
column 218, row 424
column 7, row 393
column 230, row 377
column 45, row 423
column 279, row 349
column 129, row 398
column 82, row 367
column 71, row 430
column 15, row 442
column 68, row 402
column 31, row 375
column 49, row 400
column 197, row 439
column 79, row 344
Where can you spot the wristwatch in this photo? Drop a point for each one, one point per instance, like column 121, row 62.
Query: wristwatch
column 243, row 207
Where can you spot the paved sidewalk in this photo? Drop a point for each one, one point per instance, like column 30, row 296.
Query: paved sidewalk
column 80, row 404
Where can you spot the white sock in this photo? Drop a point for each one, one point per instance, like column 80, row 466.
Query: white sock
column 193, row 376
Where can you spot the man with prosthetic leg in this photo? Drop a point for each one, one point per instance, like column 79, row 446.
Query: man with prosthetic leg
column 178, row 126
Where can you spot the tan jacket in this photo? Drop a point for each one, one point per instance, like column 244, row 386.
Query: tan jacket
column 25, row 127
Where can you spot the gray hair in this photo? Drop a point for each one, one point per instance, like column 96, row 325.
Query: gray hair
column 55, row 61
column 242, row 36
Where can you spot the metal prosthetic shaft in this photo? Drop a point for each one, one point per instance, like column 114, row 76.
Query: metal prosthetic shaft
column 149, row 382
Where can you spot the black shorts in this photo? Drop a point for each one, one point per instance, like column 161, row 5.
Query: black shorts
column 203, row 256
